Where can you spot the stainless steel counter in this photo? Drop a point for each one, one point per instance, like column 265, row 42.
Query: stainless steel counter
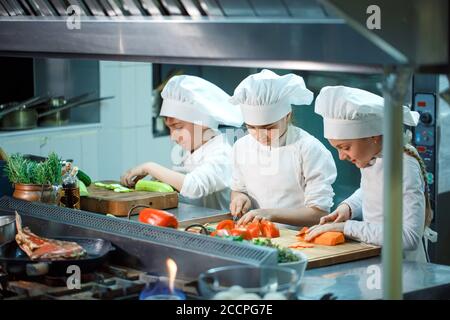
column 361, row 280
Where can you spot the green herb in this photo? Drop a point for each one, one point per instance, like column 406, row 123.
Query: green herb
column 25, row 171
column 284, row 254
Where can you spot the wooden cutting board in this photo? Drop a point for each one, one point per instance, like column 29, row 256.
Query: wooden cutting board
column 107, row 201
column 318, row 256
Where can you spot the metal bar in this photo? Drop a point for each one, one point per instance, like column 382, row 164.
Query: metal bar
column 179, row 39
column 395, row 88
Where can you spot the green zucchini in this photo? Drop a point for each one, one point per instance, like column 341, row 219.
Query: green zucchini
column 83, row 190
column 153, row 186
column 84, row 177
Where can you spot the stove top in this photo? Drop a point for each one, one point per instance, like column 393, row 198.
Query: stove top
column 108, row 283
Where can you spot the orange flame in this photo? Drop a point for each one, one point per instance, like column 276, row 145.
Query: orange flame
column 172, row 271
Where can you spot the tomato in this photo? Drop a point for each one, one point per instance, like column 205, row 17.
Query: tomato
column 158, row 218
column 241, row 232
column 254, row 228
column 269, row 229
column 225, row 224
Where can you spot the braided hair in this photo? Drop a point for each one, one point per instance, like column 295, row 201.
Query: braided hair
column 412, row 152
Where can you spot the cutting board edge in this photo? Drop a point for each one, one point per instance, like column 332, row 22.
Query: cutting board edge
column 332, row 260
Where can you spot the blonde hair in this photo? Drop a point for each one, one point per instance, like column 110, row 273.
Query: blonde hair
column 412, row 152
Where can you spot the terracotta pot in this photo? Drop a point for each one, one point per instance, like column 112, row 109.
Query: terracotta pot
column 34, row 192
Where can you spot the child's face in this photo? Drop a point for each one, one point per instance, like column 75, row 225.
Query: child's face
column 357, row 151
column 269, row 135
column 186, row 134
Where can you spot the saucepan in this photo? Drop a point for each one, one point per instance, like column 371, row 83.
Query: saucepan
column 20, row 116
column 7, row 228
column 56, row 111
column 59, row 117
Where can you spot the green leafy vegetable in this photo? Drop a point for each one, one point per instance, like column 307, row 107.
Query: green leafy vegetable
column 284, row 254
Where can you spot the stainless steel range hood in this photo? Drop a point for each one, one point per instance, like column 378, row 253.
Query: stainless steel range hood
column 301, row 34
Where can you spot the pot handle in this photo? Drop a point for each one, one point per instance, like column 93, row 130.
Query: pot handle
column 135, row 207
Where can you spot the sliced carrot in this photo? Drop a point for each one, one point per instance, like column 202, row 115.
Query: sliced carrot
column 302, row 231
column 330, row 238
column 300, row 245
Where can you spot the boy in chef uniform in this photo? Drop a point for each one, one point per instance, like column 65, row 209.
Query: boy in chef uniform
column 280, row 171
column 193, row 109
column 353, row 125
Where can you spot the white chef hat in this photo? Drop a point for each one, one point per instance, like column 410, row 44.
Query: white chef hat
column 266, row 97
column 351, row 113
column 195, row 100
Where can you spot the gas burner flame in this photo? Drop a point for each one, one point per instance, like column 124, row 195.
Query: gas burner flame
column 172, row 272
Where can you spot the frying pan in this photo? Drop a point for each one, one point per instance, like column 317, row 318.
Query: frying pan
column 16, row 262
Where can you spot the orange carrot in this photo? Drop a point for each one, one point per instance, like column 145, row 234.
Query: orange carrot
column 301, row 245
column 330, row 238
column 302, row 231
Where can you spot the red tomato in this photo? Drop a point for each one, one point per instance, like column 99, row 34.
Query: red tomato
column 225, row 224
column 269, row 229
column 254, row 228
column 241, row 232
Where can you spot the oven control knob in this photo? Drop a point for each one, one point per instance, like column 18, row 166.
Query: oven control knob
column 426, row 117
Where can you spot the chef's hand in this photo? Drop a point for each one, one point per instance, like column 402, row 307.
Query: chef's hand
column 240, row 205
column 252, row 215
column 317, row 230
column 341, row 214
column 130, row 177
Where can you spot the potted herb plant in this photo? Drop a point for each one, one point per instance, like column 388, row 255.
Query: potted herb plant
column 32, row 180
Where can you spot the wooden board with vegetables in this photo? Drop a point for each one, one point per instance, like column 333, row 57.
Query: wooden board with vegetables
column 118, row 201
column 319, row 255
column 324, row 255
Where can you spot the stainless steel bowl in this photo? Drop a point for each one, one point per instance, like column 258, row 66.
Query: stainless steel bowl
column 254, row 280
column 7, row 228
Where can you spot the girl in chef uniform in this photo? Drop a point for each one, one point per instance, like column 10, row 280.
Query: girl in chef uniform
column 193, row 109
column 280, row 171
column 353, row 125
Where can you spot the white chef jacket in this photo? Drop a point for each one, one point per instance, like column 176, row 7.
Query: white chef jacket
column 208, row 173
column 298, row 174
column 368, row 202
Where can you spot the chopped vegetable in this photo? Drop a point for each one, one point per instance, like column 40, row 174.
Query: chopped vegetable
column 330, row 238
column 284, row 254
column 158, row 218
column 241, row 232
column 301, row 245
column 225, row 224
column 113, row 186
column 302, row 231
column 252, row 230
column 269, row 229
column 153, row 186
